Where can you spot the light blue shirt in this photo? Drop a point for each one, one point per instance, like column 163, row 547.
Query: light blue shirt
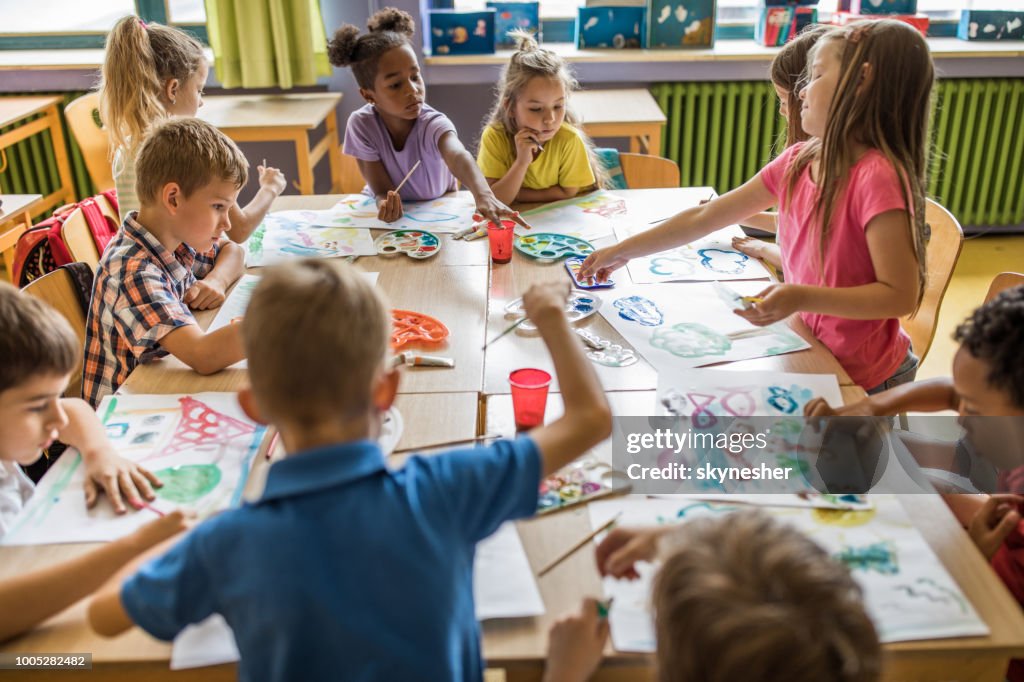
column 344, row 569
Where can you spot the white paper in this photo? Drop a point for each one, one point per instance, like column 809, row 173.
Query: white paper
column 201, row 446
column 503, row 587
column 908, row 593
column 687, row 325
column 710, row 258
column 285, row 235
column 449, row 213
column 590, row 216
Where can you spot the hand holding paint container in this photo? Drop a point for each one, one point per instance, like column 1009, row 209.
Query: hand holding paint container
column 529, row 396
column 500, row 237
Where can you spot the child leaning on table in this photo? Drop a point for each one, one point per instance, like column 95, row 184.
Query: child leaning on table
column 397, row 129
column 38, row 352
column 737, row 597
column 344, row 568
column 189, row 175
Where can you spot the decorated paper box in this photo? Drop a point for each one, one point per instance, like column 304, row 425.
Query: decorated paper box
column 610, row 27
column 977, row 24
column 680, row 23
column 509, row 16
column 777, row 25
column 883, row 6
column 454, row 32
column 918, row 21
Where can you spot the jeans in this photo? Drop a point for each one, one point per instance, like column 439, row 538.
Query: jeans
column 904, row 374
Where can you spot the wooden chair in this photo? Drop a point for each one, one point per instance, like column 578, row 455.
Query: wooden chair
column 643, row 172
column 945, row 239
column 1002, row 282
column 82, row 116
column 58, row 288
column 351, row 178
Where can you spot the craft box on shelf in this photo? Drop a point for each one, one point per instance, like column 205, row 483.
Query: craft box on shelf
column 610, row 27
column 453, row 32
column 873, row 7
column 981, row 24
column 509, row 16
column 680, row 23
column 918, row 21
column 778, row 24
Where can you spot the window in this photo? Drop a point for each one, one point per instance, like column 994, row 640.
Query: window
column 186, row 11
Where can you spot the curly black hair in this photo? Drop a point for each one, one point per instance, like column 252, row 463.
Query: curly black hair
column 995, row 333
column 389, row 28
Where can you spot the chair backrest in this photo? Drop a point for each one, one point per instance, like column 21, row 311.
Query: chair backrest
column 81, row 115
column 58, row 288
column 1002, row 282
column 945, row 239
column 78, row 237
column 643, row 171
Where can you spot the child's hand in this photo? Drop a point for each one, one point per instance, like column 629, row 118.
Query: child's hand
column 755, row 248
column 117, row 477
column 602, row 263
column 779, row 302
column 389, row 208
column 272, row 179
column 205, row 294
column 488, row 206
column 996, row 519
column 576, row 645
column 543, row 301
column 527, row 146
column 623, row 547
column 155, row 532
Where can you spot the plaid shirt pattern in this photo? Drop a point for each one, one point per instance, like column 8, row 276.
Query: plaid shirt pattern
column 137, row 299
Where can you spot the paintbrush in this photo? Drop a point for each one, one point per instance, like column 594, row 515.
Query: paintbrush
column 569, row 552
column 508, row 330
column 432, row 446
column 406, row 178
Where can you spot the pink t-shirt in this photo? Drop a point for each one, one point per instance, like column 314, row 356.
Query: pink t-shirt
column 869, row 350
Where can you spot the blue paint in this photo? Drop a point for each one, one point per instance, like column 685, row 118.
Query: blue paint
column 640, row 310
column 723, row 262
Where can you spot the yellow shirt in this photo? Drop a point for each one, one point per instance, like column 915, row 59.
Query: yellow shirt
column 563, row 162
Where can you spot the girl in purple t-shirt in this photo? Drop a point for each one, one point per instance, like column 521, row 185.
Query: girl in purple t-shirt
column 396, row 128
column 851, row 217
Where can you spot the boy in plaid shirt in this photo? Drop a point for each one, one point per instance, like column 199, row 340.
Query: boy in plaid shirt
column 169, row 256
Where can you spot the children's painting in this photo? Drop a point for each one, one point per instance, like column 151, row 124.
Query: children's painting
column 909, row 594
column 200, row 446
column 688, row 325
column 710, row 258
column 293, row 234
column 449, row 213
column 589, row 216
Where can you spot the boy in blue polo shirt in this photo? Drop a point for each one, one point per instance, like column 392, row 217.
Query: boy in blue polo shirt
column 344, row 569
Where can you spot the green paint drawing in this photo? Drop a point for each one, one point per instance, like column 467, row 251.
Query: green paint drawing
column 187, row 483
column 879, row 557
column 690, row 340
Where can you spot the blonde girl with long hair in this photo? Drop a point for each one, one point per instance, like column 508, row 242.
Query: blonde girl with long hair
column 151, row 72
column 851, row 198
column 532, row 148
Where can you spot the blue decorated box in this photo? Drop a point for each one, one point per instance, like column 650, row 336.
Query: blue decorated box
column 978, row 24
column 512, row 15
column 883, row 6
column 614, row 27
column 777, row 25
column 680, row 23
column 453, row 32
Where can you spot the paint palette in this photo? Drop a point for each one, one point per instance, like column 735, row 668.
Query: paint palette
column 578, row 306
column 573, row 265
column 604, row 352
column 412, row 327
column 551, row 246
column 579, row 483
column 418, row 244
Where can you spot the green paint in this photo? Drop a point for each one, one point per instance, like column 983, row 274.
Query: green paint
column 110, row 410
column 187, row 483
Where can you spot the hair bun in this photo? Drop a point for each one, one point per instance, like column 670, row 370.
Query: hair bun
column 524, row 40
column 342, row 47
column 392, row 19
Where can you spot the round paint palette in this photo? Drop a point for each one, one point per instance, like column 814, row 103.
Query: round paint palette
column 579, row 306
column 412, row 327
column 418, row 244
column 551, row 246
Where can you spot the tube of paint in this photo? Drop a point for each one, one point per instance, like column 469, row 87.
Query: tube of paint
column 482, row 232
column 417, row 360
column 464, row 232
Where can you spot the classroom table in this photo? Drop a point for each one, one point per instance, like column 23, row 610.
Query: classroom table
column 283, row 118
column 438, row 405
column 631, row 113
column 15, row 110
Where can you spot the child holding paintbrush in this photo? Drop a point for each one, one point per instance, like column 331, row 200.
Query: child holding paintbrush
column 396, row 131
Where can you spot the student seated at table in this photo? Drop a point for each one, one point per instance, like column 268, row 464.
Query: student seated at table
column 987, row 390
column 738, row 597
column 169, row 255
column 39, row 351
column 344, row 568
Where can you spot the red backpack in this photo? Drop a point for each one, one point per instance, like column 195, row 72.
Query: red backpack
column 42, row 249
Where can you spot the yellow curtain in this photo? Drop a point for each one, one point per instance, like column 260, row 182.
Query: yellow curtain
column 267, row 43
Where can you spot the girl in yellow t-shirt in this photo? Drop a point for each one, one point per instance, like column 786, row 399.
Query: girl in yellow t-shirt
column 531, row 149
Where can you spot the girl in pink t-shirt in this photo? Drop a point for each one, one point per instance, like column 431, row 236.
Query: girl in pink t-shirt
column 851, row 217
column 396, row 130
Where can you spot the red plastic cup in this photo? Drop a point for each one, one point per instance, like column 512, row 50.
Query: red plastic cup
column 500, row 237
column 529, row 396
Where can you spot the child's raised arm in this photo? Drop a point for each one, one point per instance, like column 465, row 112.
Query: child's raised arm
column 587, row 419
column 932, row 395
column 465, row 170
column 244, row 221
column 682, row 228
